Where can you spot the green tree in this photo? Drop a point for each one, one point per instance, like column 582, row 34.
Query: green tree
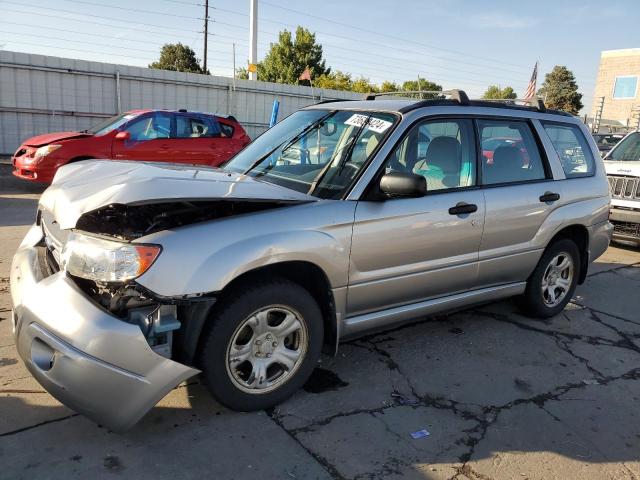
column 178, row 58
column 288, row 58
column 421, row 84
column 494, row 92
column 242, row 73
column 388, row 86
column 363, row 85
column 560, row 90
column 334, row 80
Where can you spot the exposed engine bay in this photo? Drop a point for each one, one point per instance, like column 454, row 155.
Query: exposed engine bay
column 133, row 221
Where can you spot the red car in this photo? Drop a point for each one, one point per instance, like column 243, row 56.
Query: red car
column 156, row 135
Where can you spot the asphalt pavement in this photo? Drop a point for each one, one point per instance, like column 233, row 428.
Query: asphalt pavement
column 490, row 393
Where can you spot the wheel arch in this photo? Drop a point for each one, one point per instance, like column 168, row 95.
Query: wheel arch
column 578, row 234
column 304, row 273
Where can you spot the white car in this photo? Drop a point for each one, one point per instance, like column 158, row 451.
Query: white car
column 623, row 170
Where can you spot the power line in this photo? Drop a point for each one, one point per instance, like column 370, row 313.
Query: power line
column 100, row 17
column 137, row 10
column 393, row 37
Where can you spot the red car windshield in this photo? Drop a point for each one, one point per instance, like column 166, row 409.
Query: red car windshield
column 111, row 124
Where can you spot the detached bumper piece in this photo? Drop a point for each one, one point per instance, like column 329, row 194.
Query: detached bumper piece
column 93, row 362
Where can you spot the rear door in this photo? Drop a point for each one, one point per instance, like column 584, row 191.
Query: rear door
column 197, row 140
column 406, row 250
column 149, row 139
column 519, row 194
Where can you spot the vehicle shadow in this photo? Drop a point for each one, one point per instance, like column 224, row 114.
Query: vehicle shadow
column 489, row 384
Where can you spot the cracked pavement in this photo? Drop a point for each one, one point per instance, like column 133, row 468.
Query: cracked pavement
column 502, row 396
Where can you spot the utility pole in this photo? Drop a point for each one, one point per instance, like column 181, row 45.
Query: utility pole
column 206, row 31
column 253, row 40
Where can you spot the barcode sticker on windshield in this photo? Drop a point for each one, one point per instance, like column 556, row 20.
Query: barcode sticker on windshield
column 375, row 124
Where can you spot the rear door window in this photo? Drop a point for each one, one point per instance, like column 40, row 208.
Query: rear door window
column 188, row 126
column 572, row 149
column 509, row 152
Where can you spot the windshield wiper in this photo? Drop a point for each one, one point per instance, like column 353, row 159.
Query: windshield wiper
column 287, row 143
column 347, row 156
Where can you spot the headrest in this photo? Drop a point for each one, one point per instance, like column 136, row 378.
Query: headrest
column 444, row 153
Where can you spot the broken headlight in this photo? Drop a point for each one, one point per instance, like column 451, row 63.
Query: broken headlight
column 106, row 261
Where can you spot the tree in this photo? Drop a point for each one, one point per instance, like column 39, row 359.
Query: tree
column 494, row 92
column 363, row 85
column 178, row 58
column 242, row 73
column 388, row 86
column 335, row 80
column 288, row 58
column 421, row 85
column 560, row 90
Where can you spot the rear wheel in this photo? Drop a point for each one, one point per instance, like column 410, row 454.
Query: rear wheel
column 553, row 282
column 263, row 345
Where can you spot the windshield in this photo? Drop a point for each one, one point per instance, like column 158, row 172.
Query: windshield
column 319, row 152
column 111, row 124
column 627, row 150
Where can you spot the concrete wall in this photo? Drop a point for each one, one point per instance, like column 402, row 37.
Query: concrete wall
column 40, row 94
column 614, row 63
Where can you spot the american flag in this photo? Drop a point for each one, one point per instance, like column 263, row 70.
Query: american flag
column 530, row 92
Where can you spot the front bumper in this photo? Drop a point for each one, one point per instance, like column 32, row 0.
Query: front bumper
column 26, row 168
column 626, row 222
column 93, row 362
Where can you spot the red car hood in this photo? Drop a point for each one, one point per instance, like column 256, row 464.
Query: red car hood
column 47, row 138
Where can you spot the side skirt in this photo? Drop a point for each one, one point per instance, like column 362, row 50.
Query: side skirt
column 360, row 324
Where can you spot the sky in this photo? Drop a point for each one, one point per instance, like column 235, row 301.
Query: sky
column 456, row 43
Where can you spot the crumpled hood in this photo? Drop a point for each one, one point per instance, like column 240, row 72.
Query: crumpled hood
column 629, row 168
column 47, row 138
column 82, row 187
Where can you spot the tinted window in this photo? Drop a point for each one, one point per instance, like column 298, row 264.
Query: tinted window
column 441, row 151
column 627, row 149
column 196, row 127
column 509, row 152
column 227, row 130
column 157, row 125
column 572, row 149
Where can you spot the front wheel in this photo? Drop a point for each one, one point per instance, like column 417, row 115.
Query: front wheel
column 553, row 282
column 263, row 345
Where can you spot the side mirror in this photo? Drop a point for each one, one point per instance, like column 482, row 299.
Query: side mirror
column 123, row 135
column 403, row 184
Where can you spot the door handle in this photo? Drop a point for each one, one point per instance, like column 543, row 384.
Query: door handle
column 164, row 146
column 549, row 197
column 461, row 208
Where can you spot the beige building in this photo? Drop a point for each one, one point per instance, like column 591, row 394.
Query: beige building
column 618, row 83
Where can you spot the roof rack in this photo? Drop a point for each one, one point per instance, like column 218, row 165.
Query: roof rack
column 535, row 102
column 456, row 95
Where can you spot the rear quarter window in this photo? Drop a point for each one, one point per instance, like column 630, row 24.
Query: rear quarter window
column 227, row 130
column 572, row 148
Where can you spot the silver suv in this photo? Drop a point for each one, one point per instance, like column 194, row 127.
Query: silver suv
column 344, row 218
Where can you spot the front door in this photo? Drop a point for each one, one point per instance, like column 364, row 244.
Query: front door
column 148, row 139
column 406, row 250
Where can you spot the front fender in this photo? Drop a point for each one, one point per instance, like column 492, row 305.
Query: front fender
column 205, row 258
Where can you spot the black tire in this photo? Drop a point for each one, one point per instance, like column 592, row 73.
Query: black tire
column 532, row 302
column 226, row 319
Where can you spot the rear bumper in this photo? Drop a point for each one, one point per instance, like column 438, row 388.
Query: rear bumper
column 93, row 362
column 599, row 239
